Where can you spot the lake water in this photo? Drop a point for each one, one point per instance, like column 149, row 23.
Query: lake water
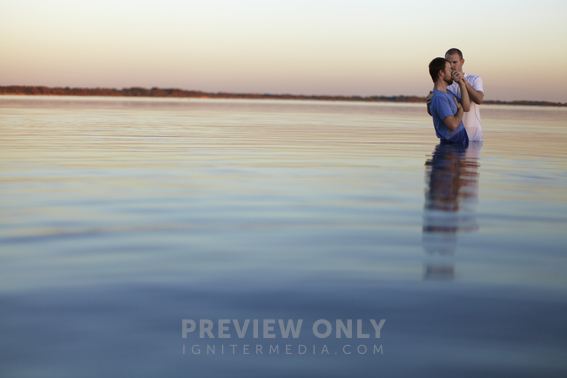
column 121, row 217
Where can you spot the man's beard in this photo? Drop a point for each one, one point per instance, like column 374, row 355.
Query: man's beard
column 449, row 82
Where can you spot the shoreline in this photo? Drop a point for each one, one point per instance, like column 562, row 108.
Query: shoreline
column 180, row 93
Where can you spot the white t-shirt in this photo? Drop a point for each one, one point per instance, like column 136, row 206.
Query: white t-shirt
column 471, row 119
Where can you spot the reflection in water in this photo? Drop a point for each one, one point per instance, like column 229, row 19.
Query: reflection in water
column 450, row 199
column 122, row 216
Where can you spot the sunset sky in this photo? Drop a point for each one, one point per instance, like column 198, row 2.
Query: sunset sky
column 354, row 47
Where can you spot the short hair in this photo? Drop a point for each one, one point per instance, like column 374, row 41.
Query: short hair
column 454, row 51
column 435, row 66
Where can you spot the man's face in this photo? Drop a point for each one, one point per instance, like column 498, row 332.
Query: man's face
column 448, row 74
column 456, row 62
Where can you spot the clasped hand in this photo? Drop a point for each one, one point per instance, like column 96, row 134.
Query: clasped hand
column 458, row 76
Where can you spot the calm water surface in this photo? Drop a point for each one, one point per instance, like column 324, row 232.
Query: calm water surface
column 121, row 217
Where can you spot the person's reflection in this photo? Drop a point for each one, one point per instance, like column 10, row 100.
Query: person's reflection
column 450, row 199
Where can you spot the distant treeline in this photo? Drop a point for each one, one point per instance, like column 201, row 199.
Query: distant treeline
column 174, row 92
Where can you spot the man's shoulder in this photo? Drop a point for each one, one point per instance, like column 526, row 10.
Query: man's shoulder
column 442, row 96
column 436, row 92
column 441, row 103
column 475, row 81
column 470, row 77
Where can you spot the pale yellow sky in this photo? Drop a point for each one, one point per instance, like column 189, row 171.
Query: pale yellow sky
column 356, row 47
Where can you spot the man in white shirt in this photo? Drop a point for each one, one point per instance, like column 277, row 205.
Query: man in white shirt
column 471, row 119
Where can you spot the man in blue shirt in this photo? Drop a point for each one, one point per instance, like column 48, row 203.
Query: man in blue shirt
column 446, row 109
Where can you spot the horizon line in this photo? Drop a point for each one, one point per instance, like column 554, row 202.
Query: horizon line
column 30, row 90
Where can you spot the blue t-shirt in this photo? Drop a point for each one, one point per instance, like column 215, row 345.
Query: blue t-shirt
column 443, row 105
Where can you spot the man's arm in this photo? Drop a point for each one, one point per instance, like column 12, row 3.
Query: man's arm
column 476, row 96
column 452, row 122
column 465, row 99
column 459, row 77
